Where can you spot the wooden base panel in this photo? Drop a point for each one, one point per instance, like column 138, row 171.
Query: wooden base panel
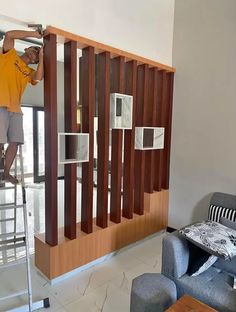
column 71, row 254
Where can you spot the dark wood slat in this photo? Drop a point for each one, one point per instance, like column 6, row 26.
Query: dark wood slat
column 150, row 122
column 70, row 113
column 167, row 124
column 117, row 85
column 88, row 98
column 128, row 172
column 158, row 154
column 50, row 106
column 140, row 119
column 103, row 76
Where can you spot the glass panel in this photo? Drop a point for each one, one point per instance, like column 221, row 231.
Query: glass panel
column 148, row 138
column 40, row 134
column 28, row 137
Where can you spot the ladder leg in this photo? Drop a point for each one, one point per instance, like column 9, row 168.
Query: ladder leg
column 22, row 241
column 26, row 231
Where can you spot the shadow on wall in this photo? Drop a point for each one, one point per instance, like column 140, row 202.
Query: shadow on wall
column 200, row 211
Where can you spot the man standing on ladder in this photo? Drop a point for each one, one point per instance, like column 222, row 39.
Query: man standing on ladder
column 14, row 76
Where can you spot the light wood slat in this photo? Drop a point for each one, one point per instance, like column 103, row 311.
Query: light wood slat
column 82, row 42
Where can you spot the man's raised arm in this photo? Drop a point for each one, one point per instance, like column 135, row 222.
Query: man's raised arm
column 11, row 35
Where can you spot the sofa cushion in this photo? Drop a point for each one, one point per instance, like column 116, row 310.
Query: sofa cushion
column 226, row 222
column 213, row 237
column 213, row 287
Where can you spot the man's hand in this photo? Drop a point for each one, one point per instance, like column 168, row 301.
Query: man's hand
column 41, row 52
column 37, row 34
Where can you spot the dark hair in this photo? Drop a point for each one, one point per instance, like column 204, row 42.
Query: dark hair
column 37, row 49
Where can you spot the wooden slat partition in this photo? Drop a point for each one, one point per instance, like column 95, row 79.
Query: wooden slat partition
column 117, row 85
column 140, row 118
column 50, row 105
column 167, row 118
column 88, row 98
column 103, row 89
column 150, row 122
column 128, row 172
column 158, row 154
column 70, row 113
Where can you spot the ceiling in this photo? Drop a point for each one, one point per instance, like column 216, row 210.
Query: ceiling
column 8, row 23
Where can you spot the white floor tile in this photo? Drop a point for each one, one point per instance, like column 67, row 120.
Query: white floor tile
column 105, row 287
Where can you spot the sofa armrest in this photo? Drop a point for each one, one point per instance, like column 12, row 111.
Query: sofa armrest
column 175, row 255
column 228, row 266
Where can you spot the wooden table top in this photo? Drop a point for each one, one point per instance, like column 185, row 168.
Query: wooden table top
column 189, row 304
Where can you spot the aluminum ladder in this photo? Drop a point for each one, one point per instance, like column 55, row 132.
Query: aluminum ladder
column 13, row 239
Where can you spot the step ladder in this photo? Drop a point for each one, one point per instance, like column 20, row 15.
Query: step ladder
column 13, row 240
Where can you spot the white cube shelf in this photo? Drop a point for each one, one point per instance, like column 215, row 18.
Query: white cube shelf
column 81, row 147
column 121, row 110
column 149, row 138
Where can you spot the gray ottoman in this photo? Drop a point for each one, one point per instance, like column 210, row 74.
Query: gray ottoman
column 152, row 292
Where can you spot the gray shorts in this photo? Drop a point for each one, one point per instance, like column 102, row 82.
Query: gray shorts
column 11, row 127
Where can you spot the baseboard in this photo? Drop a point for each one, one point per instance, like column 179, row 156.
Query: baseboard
column 170, row 229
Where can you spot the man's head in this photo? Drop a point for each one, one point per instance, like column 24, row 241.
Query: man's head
column 32, row 54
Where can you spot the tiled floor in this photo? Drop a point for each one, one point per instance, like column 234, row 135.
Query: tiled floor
column 104, row 287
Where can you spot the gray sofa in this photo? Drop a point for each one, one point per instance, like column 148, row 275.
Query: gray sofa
column 156, row 292
column 214, row 286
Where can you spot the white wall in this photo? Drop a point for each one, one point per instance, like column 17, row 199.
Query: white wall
column 203, row 156
column 141, row 27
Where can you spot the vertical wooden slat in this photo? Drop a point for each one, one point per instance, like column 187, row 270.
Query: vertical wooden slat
column 128, row 172
column 150, row 122
column 88, row 98
column 158, row 154
column 70, row 112
column 103, row 76
column 117, row 85
column 141, row 106
column 167, row 124
column 50, row 105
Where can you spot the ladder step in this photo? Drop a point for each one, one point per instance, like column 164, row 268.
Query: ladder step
column 7, row 187
column 10, row 234
column 16, row 294
column 7, row 220
column 7, row 204
column 43, row 303
column 13, row 263
column 12, row 246
column 10, row 206
column 12, row 240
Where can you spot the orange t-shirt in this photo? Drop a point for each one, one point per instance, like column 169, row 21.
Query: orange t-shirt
column 14, row 76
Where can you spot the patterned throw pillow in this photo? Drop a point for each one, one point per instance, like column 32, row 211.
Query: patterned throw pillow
column 213, row 237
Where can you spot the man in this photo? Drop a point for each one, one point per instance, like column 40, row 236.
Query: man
column 14, row 76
